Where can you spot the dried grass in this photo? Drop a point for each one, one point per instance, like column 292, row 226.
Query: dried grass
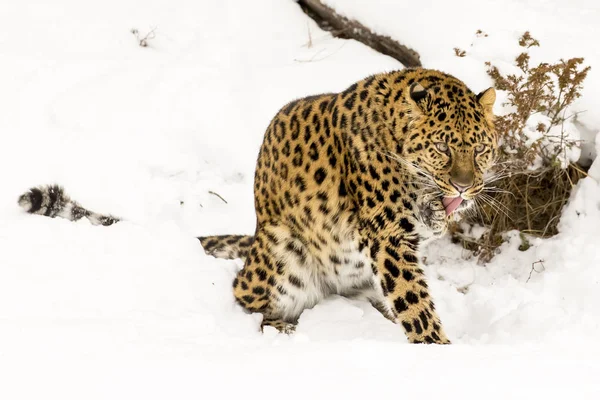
column 530, row 202
column 520, row 197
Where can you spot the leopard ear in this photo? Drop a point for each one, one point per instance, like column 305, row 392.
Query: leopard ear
column 487, row 98
column 420, row 96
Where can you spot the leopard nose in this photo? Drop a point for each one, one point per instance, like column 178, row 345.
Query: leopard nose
column 461, row 186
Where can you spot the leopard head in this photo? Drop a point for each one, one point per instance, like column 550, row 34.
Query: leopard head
column 450, row 141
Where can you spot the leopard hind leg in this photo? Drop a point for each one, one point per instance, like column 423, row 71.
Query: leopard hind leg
column 272, row 283
column 278, row 323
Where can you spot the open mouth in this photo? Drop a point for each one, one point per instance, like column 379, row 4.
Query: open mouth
column 452, row 204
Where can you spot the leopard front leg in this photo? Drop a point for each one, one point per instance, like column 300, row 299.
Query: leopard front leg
column 396, row 267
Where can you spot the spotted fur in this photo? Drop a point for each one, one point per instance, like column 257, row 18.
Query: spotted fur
column 227, row 246
column 347, row 188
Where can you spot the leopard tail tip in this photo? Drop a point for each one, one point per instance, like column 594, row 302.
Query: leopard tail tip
column 31, row 200
column 38, row 199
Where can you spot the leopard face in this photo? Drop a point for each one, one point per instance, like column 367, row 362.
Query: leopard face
column 450, row 142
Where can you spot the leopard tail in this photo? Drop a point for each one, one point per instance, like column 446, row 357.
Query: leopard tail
column 52, row 201
column 227, row 246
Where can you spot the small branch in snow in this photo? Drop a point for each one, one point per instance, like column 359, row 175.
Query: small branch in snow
column 533, row 264
column 459, row 52
column 143, row 41
column 463, row 289
column 310, row 41
column 218, row 195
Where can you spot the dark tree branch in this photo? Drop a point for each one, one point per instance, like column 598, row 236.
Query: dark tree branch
column 342, row 27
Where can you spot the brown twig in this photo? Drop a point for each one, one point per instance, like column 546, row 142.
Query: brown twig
column 143, row 42
column 533, row 264
column 309, row 44
column 218, row 195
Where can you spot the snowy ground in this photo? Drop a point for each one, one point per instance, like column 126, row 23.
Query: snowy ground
column 137, row 310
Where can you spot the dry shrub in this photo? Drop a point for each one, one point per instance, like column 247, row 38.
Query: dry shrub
column 459, row 53
column 533, row 176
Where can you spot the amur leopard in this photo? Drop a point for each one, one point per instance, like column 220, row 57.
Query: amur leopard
column 348, row 187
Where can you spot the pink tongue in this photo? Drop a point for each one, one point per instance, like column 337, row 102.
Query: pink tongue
column 451, row 204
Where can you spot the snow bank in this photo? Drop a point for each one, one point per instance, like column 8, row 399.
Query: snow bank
column 137, row 310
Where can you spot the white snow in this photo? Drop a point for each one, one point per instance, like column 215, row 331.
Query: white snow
column 137, row 310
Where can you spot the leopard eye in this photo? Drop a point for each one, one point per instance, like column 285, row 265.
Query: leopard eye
column 479, row 148
column 441, row 146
